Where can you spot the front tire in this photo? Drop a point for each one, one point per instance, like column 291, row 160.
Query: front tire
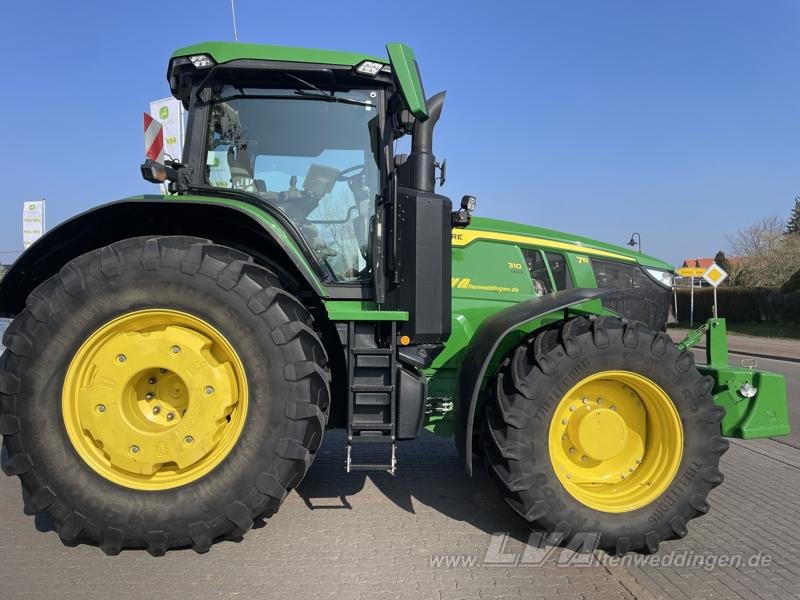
column 161, row 393
column 602, row 432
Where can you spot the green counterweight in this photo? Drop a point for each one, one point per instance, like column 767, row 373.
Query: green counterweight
column 755, row 401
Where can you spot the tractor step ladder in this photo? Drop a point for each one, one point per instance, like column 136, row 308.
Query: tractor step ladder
column 372, row 383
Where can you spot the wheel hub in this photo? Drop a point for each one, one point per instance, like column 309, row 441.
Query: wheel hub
column 615, row 441
column 154, row 399
column 599, row 434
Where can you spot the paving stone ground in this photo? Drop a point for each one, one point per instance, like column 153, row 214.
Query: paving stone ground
column 378, row 536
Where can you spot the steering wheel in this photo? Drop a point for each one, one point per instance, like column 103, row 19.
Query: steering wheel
column 351, row 173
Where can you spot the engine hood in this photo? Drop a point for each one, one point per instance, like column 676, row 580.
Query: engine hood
column 495, row 229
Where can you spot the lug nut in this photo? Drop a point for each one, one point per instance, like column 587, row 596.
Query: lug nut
column 571, row 450
column 162, row 371
column 150, row 395
column 101, row 408
column 151, row 381
column 134, row 449
column 571, row 408
column 170, row 416
column 599, row 400
column 209, row 390
column 188, row 439
column 564, row 421
column 584, row 458
column 622, row 476
column 585, row 401
column 121, row 358
column 614, row 408
column 156, row 410
column 175, row 349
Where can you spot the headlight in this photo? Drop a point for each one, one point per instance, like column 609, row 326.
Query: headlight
column 201, row 61
column 665, row 278
column 369, row 67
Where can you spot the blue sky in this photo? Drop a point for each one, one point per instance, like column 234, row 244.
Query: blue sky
column 679, row 120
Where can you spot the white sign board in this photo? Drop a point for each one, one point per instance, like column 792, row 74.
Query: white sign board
column 715, row 275
column 169, row 112
column 32, row 222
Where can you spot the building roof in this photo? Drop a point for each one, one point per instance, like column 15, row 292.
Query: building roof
column 698, row 262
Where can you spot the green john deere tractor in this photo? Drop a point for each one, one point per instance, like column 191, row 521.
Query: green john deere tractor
column 174, row 361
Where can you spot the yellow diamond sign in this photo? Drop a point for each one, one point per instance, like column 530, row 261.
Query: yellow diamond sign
column 715, row 275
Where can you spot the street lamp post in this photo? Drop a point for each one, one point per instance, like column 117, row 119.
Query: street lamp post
column 636, row 240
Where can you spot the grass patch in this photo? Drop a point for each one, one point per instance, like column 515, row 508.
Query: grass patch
column 785, row 329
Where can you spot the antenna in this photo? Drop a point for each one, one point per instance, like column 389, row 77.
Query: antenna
column 233, row 16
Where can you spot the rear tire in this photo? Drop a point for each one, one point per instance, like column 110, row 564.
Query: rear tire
column 287, row 383
column 522, row 457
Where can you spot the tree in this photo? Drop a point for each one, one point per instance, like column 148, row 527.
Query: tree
column 724, row 264
column 768, row 257
column 793, row 226
column 793, row 283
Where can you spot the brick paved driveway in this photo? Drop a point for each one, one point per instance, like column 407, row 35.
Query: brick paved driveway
column 378, row 536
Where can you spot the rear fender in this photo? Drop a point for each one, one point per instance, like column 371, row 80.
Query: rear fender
column 239, row 226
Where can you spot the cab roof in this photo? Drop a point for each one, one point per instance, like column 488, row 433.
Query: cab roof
column 223, row 52
column 401, row 63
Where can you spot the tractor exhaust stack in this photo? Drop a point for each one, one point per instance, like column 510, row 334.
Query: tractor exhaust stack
column 421, row 161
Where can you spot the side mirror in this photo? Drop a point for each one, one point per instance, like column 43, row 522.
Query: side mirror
column 153, row 171
column 174, row 172
column 442, row 171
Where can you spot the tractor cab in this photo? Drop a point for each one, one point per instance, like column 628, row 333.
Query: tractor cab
column 309, row 135
column 312, row 157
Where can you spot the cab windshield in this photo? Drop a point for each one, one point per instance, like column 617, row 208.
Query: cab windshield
column 315, row 157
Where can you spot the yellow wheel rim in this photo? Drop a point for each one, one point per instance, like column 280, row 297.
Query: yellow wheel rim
column 154, row 399
column 615, row 441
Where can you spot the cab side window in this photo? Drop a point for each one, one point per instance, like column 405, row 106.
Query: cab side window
column 560, row 270
column 540, row 277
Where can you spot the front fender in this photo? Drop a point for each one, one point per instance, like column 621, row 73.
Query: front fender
column 484, row 344
column 224, row 221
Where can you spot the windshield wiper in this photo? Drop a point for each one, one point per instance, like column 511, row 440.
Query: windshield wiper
column 311, row 85
column 328, row 98
column 323, row 95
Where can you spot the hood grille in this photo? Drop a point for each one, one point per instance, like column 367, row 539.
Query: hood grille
column 636, row 296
